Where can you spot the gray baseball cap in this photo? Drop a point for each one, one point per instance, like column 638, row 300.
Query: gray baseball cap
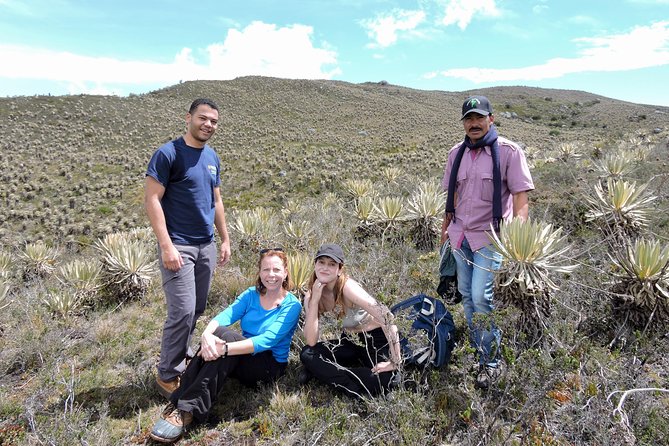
column 331, row 250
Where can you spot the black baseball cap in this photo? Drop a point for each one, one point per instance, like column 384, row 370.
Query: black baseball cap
column 331, row 250
column 476, row 104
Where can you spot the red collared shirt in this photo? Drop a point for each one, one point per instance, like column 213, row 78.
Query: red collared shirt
column 474, row 187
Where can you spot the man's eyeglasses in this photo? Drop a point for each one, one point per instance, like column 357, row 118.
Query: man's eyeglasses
column 266, row 250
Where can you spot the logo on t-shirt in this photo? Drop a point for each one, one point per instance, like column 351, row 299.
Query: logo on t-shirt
column 212, row 170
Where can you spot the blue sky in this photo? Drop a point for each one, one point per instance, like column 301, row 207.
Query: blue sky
column 616, row 48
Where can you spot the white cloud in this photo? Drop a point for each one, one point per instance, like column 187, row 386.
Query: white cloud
column 643, row 47
column 264, row 49
column 461, row 12
column 384, row 29
column 258, row 49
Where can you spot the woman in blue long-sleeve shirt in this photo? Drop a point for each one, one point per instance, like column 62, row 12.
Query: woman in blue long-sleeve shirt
column 268, row 316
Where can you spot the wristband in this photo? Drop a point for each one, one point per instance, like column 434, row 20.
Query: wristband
column 225, row 352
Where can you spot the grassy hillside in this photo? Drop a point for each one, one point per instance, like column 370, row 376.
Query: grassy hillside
column 81, row 371
column 72, row 166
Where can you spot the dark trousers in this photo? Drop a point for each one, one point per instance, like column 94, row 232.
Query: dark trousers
column 203, row 380
column 347, row 365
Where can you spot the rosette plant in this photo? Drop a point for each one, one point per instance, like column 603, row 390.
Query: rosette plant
column 616, row 164
column 622, row 206
column 39, row 260
column 6, row 265
column 357, row 188
column 300, row 265
column 390, row 212
column 532, row 252
column 83, row 276
column 425, row 208
column 298, row 232
column 127, row 265
column 641, row 284
column 248, row 226
column 4, row 292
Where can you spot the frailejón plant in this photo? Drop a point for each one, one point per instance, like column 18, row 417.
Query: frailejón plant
column 531, row 253
column 127, row 266
column 390, row 212
column 83, row 276
column 621, row 205
column 358, row 188
column 616, row 164
column 424, row 211
column 300, row 266
column 39, row 259
column 641, row 284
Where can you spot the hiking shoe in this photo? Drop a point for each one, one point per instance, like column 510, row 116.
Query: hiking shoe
column 486, row 376
column 172, row 424
column 304, row 376
column 166, row 388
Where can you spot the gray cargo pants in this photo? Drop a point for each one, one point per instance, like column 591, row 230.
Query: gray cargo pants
column 186, row 293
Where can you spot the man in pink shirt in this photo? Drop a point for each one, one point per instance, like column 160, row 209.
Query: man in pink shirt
column 487, row 180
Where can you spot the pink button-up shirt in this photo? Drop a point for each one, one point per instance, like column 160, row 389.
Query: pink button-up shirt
column 474, row 188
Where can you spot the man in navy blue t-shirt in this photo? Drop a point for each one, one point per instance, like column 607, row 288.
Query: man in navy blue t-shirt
column 183, row 201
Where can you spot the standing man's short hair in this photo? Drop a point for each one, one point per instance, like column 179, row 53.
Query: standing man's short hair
column 202, row 101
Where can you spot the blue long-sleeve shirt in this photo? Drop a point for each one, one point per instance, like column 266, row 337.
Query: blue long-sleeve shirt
column 267, row 329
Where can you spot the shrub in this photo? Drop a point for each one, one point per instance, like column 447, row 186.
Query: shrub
column 127, row 266
column 617, row 164
column 39, row 260
column 641, row 284
column 298, row 233
column 300, row 266
column 531, row 252
column 424, row 212
column 83, row 276
column 4, row 292
column 622, row 206
column 63, row 303
column 390, row 212
column 6, row 265
column 358, row 188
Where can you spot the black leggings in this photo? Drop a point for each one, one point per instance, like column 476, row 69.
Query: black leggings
column 347, row 365
column 203, row 380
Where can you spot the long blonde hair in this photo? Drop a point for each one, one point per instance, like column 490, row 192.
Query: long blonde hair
column 338, row 291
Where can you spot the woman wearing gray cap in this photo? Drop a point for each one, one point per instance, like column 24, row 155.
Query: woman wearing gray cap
column 362, row 361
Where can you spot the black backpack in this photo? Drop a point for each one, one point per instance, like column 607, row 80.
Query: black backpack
column 431, row 336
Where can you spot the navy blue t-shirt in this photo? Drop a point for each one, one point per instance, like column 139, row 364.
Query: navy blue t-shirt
column 189, row 176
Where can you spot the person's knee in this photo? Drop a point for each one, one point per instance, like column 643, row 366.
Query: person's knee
column 226, row 334
column 307, row 354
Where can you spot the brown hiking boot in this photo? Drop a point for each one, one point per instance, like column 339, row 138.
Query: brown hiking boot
column 166, row 388
column 172, row 424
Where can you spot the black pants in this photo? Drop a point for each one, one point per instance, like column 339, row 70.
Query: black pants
column 203, row 380
column 347, row 365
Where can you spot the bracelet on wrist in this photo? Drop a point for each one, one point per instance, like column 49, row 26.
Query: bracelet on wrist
column 225, row 352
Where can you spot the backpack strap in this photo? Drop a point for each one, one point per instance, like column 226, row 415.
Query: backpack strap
column 409, row 302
